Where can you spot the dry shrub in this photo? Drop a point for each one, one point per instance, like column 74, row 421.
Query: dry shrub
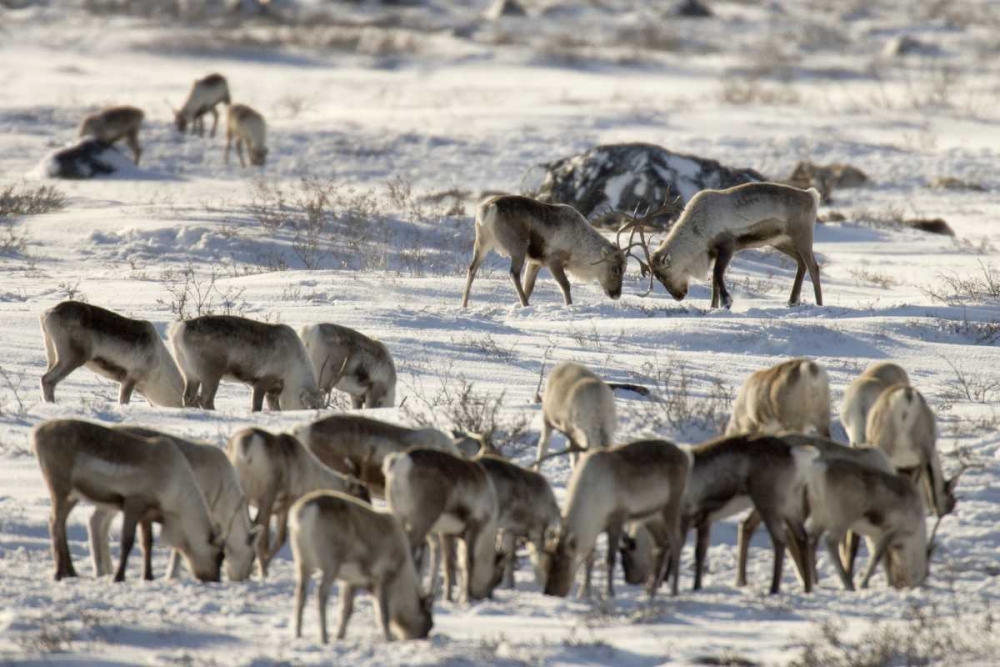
column 983, row 333
column 12, row 385
column 192, row 295
column 325, row 219
column 464, row 408
column 865, row 276
column 677, row 403
column 953, row 289
column 888, row 216
column 332, row 224
column 742, row 92
column 651, row 36
column 971, row 386
column 19, row 199
column 926, row 636
column 23, row 199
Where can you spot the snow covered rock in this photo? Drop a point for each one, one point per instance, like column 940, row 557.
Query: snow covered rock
column 626, row 177
column 88, row 158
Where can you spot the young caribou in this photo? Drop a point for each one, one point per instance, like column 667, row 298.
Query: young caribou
column 205, row 95
column 845, row 495
column 716, row 224
column 555, row 236
column 268, row 357
column 275, row 471
column 828, row 450
column 361, row 547
column 642, row 541
column 146, row 480
column 347, row 360
column 609, row 488
column 436, row 492
column 359, row 446
column 733, row 473
column 527, row 509
column 580, row 405
column 114, row 123
column 248, row 127
column 127, row 351
column 227, row 507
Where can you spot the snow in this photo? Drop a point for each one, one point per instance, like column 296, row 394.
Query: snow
column 444, row 110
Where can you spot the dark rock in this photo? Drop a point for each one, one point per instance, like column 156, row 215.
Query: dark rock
column 930, row 225
column 826, row 178
column 905, row 45
column 502, row 8
column 86, row 159
column 630, row 177
column 693, row 9
column 952, row 183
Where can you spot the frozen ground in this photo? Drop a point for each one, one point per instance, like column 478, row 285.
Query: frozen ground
column 440, row 101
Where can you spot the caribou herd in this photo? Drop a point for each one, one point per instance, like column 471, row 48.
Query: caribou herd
column 243, row 124
column 439, row 490
column 445, row 490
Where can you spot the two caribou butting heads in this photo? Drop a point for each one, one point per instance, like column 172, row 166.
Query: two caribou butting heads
column 713, row 227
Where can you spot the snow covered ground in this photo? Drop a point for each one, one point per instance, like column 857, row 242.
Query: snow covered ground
column 439, row 100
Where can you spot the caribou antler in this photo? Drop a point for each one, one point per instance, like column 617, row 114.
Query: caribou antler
column 635, row 224
column 965, row 464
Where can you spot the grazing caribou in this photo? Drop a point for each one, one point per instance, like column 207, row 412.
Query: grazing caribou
column 349, row 541
column 127, row 351
column 716, row 224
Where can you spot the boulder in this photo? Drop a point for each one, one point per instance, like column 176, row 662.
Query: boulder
column 929, row 225
column 501, row 8
column 693, row 9
column 826, row 178
column 628, row 177
column 953, row 183
column 88, row 158
column 905, row 45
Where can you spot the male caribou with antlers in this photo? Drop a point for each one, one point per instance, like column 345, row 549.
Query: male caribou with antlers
column 716, row 224
column 555, row 236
